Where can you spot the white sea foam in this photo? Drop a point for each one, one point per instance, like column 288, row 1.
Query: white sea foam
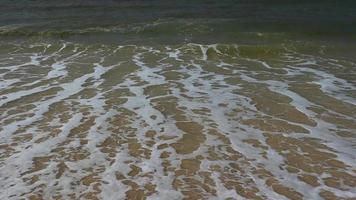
column 202, row 96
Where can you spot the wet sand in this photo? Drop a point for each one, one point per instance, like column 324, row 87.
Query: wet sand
column 175, row 122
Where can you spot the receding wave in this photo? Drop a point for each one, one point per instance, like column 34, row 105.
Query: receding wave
column 194, row 121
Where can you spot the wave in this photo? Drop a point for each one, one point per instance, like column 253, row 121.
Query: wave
column 172, row 121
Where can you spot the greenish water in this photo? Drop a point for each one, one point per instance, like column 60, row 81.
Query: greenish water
column 177, row 21
column 177, row 99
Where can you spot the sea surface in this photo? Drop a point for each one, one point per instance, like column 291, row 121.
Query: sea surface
column 229, row 99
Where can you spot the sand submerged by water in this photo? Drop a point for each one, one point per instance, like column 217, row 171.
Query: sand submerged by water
column 188, row 121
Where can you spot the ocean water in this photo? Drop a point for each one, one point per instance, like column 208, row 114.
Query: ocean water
column 177, row 99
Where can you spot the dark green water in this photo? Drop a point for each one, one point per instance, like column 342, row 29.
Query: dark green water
column 178, row 21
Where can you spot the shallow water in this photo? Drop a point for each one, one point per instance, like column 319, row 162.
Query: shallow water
column 176, row 108
column 196, row 121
